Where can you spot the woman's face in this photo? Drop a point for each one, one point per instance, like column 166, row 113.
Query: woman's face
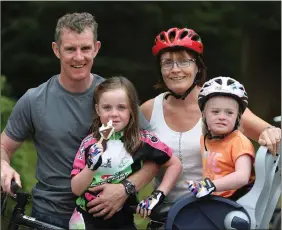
column 179, row 70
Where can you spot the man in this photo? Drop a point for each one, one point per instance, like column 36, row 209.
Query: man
column 57, row 116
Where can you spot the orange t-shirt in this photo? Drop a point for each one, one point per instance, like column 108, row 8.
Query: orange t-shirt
column 221, row 156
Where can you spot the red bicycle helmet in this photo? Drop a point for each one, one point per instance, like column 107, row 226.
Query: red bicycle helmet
column 178, row 37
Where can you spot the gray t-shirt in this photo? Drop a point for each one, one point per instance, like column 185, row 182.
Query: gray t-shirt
column 57, row 121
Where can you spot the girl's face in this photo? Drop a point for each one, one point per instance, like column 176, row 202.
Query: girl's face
column 221, row 114
column 181, row 75
column 114, row 105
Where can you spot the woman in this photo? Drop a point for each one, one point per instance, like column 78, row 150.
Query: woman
column 175, row 115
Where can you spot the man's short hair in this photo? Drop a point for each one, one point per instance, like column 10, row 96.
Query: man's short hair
column 76, row 22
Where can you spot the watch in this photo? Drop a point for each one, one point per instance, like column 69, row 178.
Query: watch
column 129, row 187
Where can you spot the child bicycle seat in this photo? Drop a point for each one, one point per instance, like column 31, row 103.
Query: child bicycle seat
column 252, row 211
column 205, row 213
column 261, row 201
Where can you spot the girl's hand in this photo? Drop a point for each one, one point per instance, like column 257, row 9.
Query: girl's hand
column 270, row 137
column 146, row 206
column 94, row 159
column 201, row 188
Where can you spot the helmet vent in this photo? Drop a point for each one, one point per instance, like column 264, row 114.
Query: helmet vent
column 162, row 37
column 195, row 37
column 206, row 85
column 171, row 36
column 183, row 34
column 230, row 82
column 219, row 81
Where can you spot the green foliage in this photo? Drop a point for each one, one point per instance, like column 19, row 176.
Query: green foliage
column 24, row 159
column 6, row 103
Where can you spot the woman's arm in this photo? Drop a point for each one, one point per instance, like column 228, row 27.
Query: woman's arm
column 237, row 179
column 258, row 130
column 253, row 125
column 174, row 168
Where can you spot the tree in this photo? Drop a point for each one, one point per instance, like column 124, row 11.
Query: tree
column 24, row 160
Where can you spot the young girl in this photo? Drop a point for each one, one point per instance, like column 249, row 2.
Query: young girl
column 115, row 100
column 227, row 154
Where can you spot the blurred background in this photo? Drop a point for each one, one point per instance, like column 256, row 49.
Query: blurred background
column 241, row 40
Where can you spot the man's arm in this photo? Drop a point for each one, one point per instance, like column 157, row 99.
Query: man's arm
column 258, row 130
column 19, row 127
column 114, row 195
column 147, row 108
column 143, row 121
column 8, row 147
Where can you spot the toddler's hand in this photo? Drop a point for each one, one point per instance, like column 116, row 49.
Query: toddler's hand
column 94, row 159
column 201, row 188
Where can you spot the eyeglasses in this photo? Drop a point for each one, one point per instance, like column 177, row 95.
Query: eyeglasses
column 180, row 63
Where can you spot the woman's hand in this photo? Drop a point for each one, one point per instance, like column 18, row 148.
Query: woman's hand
column 270, row 137
column 110, row 200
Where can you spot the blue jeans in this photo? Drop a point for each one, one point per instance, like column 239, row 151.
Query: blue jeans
column 58, row 221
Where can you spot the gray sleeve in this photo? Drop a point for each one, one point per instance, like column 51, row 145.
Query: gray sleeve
column 19, row 125
column 144, row 124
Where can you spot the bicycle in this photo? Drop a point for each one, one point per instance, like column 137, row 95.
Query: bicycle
column 276, row 218
column 18, row 217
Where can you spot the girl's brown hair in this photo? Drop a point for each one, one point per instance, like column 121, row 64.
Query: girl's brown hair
column 131, row 133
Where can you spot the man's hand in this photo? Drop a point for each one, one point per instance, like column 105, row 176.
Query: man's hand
column 270, row 137
column 7, row 174
column 146, row 206
column 94, row 158
column 109, row 201
column 201, row 188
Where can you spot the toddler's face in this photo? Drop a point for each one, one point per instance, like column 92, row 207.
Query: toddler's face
column 221, row 114
column 114, row 105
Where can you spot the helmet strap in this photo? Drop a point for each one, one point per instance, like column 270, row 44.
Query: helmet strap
column 183, row 96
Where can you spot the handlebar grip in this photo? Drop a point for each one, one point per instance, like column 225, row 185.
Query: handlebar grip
column 14, row 186
column 133, row 208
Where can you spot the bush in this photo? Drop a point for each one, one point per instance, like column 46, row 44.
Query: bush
column 24, row 159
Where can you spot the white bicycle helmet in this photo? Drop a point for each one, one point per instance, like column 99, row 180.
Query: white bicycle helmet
column 224, row 86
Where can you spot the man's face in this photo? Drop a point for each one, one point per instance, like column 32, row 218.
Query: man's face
column 76, row 53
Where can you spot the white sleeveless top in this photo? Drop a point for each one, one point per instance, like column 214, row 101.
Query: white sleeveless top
column 185, row 145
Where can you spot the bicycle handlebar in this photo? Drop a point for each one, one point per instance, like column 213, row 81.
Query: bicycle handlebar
column 14, row 187
column 159, row 213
